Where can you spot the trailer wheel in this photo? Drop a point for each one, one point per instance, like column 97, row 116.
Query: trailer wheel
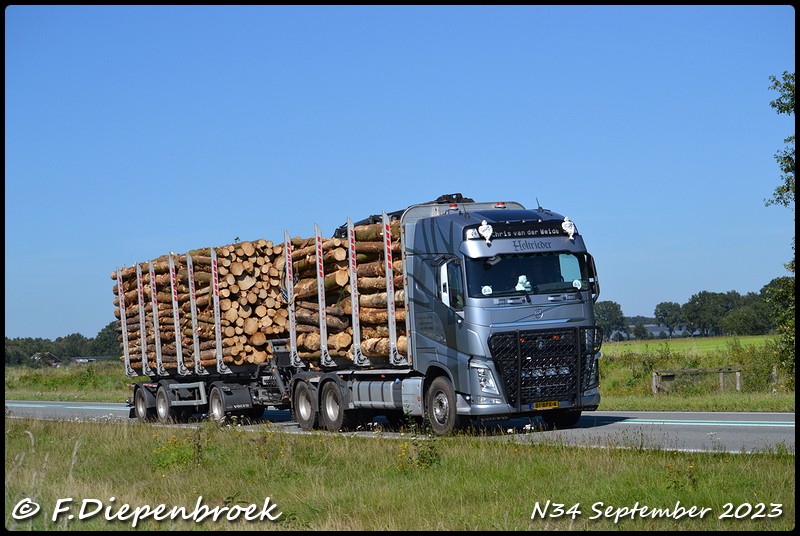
column 303, row 406
column 166, row 413
column 561, row 420
column 333, row 416
column 216, row 408
column 440, row 406
column 143, row 413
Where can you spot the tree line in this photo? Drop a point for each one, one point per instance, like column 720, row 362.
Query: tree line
column 20, row 351
column 705, row 314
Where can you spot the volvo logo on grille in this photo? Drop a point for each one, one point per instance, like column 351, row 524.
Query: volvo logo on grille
column 541, row 345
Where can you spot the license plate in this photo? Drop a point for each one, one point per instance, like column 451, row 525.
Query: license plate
column 545, row 405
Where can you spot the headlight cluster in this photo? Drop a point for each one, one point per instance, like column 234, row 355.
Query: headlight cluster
column 486, row 381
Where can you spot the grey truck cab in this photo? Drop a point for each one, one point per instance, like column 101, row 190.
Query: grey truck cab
column 500, row 303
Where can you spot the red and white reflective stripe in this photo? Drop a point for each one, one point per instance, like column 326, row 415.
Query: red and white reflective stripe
column 156, row 328
column 217, row 326
column 358, row 357
column 176, row 318
column 198, row 368
column 323, row 317
column 124, row 324
column 290, row 298
column 387, row 252
column 140, row 289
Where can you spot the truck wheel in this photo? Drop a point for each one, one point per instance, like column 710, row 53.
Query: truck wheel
column 216, row 408
column 143, row 413
column 303, row 406
column 561, row 420
column 166, row 413
column 440, row 407
column 333, row 416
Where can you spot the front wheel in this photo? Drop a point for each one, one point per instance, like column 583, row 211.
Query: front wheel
column 440, row 406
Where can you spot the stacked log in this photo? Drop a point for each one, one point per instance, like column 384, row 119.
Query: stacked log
column 371, row 284
column 251, row 305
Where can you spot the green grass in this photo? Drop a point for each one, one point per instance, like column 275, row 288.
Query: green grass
column 327, row 481
column 91, row 382
column 697, row 346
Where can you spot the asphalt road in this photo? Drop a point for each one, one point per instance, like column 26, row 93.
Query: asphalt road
column 679, row 431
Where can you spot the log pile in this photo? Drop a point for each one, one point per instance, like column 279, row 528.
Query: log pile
column 252, row 308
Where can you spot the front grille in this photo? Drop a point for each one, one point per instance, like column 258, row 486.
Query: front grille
column 545, row 365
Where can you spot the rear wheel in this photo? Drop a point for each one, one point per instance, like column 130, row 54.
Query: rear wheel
column 166, row 413
column 333, row 415
column 143, row 413
column 216, row 407
column 303, row 406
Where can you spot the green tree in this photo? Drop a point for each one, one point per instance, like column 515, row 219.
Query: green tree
column 705, row 310
column 640, row 332
column 106, row 342
column 784, row 104
column 669, row 315
column 783, row 292
column 750, row 319
column 609, row 317
column 780, row 295
column 73, row 345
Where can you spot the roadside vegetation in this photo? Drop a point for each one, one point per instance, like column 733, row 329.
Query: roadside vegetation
column 322, row 481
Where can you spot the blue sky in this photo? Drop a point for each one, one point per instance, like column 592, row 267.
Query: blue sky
column 134, row 131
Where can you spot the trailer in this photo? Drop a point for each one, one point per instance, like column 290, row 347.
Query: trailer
column 488, row 314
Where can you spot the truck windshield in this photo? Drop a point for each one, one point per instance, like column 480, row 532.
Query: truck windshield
column 528, row 273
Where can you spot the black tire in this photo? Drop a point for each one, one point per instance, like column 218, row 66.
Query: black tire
column 143, row 413
column 164, row 410
column 216, row 407
column 303, row 406
column 440, row 407
column 332, row 413
column 561, row 420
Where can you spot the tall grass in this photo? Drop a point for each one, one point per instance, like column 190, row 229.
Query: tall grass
column 626, row 370
column 92, row 382
column 343, row 482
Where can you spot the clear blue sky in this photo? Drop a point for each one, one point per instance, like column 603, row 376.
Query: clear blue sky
column 135, row 131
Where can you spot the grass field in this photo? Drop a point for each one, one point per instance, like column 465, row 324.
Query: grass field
column 325, row 481
column 696, row 346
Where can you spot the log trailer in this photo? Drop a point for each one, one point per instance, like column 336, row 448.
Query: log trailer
column 498, row 323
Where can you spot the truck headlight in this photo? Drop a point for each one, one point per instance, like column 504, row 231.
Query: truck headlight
column 485, row 380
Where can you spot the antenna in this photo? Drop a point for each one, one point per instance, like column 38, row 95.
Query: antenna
column 538, row 205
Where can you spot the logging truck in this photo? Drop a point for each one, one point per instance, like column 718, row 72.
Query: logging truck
column 447, row 312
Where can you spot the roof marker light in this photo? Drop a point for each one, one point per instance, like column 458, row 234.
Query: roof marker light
column 500, row 204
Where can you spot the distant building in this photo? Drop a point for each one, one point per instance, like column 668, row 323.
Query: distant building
column 89, row 359
column 46, row 358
